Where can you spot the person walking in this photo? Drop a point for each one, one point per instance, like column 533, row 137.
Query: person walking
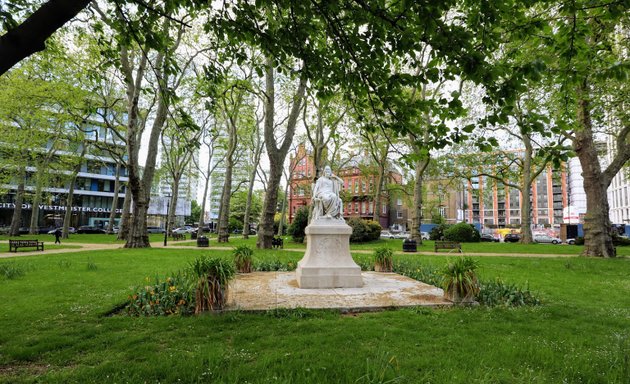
column 57, row 236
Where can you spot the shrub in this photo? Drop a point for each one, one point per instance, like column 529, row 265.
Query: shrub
column 243, row 256
column 459, row 280
column 620, row 241
column 165, row 297
column 300, row 221
column 499, row 293
column 383, row 259
column 437, row 232
column 363, row 230
column 579, row 240
column 462, row 232
column 212, row 277
column 373, row 229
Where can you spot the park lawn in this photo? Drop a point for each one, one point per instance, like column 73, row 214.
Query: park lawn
column 54, row 328
column 83, row 238
column 4, row 247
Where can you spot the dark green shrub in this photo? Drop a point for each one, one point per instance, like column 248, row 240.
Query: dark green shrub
column 374, row 230
column 459, row 280
column 620, row 241
column 234, row 223
column 212, row 277
column 363, row 230
column 462, row 232
column 579, row 240
column 437, row 232
column 300, row 221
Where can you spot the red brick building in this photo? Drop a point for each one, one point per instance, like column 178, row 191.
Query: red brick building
column 357, row 194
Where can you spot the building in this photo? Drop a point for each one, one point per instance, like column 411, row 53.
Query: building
column 357, row 194
column 494, row 205
column 94, row 186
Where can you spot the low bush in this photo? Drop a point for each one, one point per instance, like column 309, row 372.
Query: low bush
column 363, row 230
column 383, row 259
column 298, row 225
column 211, row 282
column 463, row 233
column 620, row 241
column 437, row 232
column 243, row 258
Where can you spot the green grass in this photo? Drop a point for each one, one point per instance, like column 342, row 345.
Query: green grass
column 53, row 328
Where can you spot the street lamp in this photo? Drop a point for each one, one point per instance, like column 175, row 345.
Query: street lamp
column 168, row 204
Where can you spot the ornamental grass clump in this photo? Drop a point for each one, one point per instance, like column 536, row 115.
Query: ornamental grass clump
column 211, row 286
column 383, row 259
column 499, row 293
column 169, row 296
column 459, row 280
column 243, row 258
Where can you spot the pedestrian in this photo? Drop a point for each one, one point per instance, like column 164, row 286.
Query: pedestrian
column 57, row 236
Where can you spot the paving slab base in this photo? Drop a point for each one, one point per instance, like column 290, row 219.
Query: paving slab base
column 273, row 290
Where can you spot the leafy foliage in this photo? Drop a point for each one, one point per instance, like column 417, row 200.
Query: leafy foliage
column 170, row 296
column 243, row 257
column 212, row 277
column 363, row 230
column 298, row 225
column 500, row 293
column 459, row 279
column 383, row 259
column 437, row 232
column 11, row 271
column 462, row 232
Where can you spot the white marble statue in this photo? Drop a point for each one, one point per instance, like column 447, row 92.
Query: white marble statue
column 326, row 200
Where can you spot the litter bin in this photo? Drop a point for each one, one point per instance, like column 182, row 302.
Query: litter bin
column 193, row 235
column 409, row 245
column 202, row 241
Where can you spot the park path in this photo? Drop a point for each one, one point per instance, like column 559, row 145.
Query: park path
column 99, row 247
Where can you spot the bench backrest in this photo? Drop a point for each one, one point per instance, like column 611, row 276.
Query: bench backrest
column 23, row 243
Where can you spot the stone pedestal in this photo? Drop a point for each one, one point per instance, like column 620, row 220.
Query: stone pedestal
column 327, row 262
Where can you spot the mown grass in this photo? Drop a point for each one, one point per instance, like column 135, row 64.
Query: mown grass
column 53, row 328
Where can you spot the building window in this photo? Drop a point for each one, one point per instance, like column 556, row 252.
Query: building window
column 399, row 214
column 399, row 202
column 384, row 209
column 356, row 207
column 356, row 186
column 364, row 207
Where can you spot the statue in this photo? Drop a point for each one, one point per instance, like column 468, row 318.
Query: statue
column 326, row 200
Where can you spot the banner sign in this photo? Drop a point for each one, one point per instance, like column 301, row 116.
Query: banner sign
column 60, row 208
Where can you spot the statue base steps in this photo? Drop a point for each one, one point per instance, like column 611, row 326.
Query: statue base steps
column 327, row 262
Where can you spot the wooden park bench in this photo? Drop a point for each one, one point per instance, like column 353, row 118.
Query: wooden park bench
column 15, row 244
column 452, row 245
column 277, row 242
column 178, row 236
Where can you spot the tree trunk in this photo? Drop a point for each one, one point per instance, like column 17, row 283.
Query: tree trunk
column 170, row 220
column 379, row 185
column 248, row 204
column 37, row 199
column 526, row 186
column 597, row 226
column 203, row 203
column 112, row 214
column 416, row 213
column 276, row 155
column 69, row 201
column 138, row 236
column 283, row 210
column 125, row 217
column 226, row 193
column 16, row 220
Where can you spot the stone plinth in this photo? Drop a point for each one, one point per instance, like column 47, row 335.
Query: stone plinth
column 327, row 262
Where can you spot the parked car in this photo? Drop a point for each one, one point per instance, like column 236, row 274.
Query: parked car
column 547, row 239
column 512, row 238
column 70, row 230
column 155, row 230
column 386, row 235
column 488, row 237
column 571, row 241
column 424, row 235
column 183, row 230
column 89, row 229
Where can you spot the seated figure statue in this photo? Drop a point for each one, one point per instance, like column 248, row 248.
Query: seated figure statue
column 326, row 201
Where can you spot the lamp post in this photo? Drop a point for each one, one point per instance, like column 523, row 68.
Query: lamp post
column 168, row 204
